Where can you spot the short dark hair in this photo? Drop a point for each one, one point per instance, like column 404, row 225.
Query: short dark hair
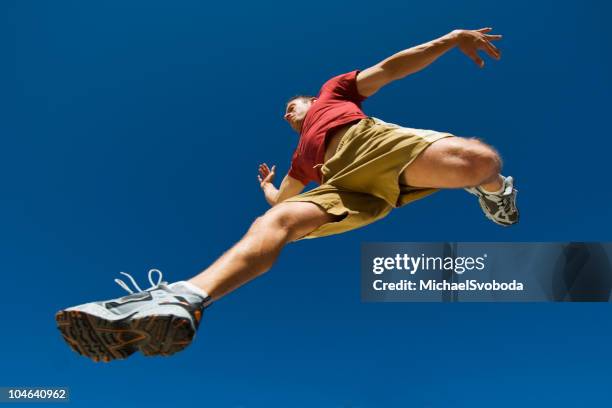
column 293, row 98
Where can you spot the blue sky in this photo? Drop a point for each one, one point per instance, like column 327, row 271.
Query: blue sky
column 131, row 136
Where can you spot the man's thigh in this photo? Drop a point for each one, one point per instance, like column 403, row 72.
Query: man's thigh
column 299, row 217
column 452, row 162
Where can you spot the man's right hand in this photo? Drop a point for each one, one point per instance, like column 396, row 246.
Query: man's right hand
column 288, row 188
column 266, row 175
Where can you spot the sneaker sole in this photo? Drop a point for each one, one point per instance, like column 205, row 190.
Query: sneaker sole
column 105, row 340
column 486, row 210
column 487, row 214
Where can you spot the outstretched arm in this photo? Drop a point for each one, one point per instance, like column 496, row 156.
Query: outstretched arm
column 414, row 59
column 288, row 188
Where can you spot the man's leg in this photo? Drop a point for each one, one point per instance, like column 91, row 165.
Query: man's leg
column 163, row 319
column 457, row 162
column 255, row 253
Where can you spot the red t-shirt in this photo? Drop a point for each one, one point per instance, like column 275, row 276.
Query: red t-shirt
column 337, row 104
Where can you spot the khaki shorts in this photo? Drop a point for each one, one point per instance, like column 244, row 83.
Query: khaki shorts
column 360, row 182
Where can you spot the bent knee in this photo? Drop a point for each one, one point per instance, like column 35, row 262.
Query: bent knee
column 478, row 162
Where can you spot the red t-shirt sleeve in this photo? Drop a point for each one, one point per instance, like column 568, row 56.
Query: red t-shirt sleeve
column 295, row 172
column 342, row 87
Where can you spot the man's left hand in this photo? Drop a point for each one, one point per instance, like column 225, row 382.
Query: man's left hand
column 471, row 41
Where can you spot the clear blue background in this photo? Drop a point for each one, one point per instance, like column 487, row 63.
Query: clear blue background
column 131, row 134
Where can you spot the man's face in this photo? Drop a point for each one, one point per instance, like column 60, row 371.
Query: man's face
column 296, row 112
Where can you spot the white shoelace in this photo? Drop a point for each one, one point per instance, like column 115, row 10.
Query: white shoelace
column 153, row 285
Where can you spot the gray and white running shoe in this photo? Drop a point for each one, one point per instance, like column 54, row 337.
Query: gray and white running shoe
column 160, row 320
column 501, row 207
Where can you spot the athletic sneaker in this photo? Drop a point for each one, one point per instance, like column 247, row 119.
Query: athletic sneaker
column 499, row 207
column 160, row 320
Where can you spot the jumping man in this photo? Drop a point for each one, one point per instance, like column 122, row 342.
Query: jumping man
column 365, row 168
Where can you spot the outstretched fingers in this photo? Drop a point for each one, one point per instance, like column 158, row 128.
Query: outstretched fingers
column 264, row 170
column 474, row 56
column 472, row 41
column 491, row 50
column 265, row 173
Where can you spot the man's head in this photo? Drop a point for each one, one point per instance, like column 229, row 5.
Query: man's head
column 296, row 109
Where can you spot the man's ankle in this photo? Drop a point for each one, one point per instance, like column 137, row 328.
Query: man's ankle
column 189, row 288
column 494, row 187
